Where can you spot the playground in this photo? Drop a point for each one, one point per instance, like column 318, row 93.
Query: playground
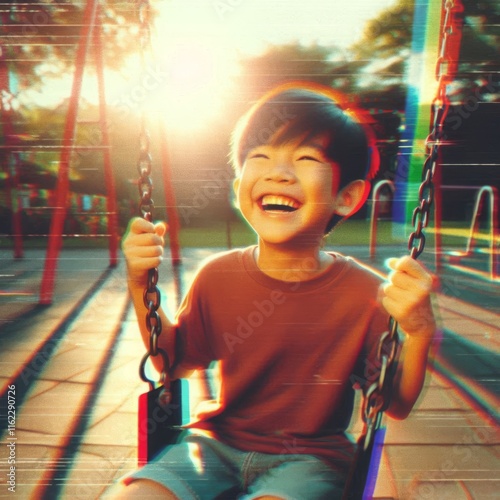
column 75, row 369
column 70, row 349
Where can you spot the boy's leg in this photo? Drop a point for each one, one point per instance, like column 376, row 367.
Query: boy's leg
column 195, row 468
column 299, row 477
column 142, row 488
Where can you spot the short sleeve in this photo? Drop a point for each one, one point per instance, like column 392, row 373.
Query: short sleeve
column 193, row 348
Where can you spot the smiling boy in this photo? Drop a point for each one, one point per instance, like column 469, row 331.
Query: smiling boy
column 289, row 325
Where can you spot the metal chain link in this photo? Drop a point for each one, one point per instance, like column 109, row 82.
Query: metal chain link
column 377, row 396
column 152, row 295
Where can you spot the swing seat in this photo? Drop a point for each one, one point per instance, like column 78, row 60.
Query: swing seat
column 160, row 425
column 361, row 482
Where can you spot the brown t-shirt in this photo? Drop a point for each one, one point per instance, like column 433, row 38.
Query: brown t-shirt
column 288, row 352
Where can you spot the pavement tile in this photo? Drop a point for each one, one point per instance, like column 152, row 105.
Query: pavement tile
column 52, row 411
column 40, row 387
column 415, row 464
column 118, row 398
column 71, row 363
column 436, row 398
column 96, row 469
column 32, row 462
column 444, row 443
column 434, row 428
column 385, row 487
column 485, row 489
column 36, row 438
column 439, row 490
column 117, row 427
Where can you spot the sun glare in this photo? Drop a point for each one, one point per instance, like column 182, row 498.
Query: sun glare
column 197, row 79
column 196, row 47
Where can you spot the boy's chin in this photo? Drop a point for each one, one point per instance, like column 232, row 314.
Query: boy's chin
column 291, row 241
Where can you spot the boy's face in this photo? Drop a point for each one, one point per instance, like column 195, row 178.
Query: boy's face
column 288, row 192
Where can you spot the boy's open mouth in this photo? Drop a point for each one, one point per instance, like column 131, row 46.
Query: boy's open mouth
column 278, row 203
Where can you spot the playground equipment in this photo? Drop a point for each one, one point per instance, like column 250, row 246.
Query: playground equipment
column 90, row 36
column 374, row 213
column 454, row 258
column 89, row 48
column 420, row 220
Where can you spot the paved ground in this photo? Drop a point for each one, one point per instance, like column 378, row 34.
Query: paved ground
column 76, row 384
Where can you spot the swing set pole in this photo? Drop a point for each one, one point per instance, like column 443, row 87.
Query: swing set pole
column 109, row 179
column 172, row 216
column 90, row 32
column 10, row 160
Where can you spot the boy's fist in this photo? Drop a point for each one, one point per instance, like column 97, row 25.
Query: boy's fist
column 142, row 246
column 407, row 297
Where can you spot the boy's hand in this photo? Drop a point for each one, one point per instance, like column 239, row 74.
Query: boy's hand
column 406, row 297
column 143, row 247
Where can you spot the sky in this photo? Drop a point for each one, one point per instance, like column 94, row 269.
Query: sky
column 201, row 41
column 250, row 24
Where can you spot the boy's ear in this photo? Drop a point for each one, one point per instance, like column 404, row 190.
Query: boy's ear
column 236, row 185
column 351, row 198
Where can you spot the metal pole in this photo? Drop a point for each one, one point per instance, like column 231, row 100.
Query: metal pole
column 62, row 187
column 111, row 207
column 474, row 228
column 374, row 213
column 173, row 218
column 11, row 160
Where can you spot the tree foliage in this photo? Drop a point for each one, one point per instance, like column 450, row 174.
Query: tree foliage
column 288, row 62
column 39, row 38
column 383, row 51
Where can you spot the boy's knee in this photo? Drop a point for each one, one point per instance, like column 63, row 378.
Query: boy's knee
column 267, row 497
column 140, row 488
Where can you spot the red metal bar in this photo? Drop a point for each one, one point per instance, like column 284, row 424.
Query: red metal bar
column 438, row 217
column 11, row 169
column 453, row 43
column 173, row 218
column 108, row 169
column 12, row 183
column 62, row 188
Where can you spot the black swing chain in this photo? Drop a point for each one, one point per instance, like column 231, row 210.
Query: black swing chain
column 152, row 295
column 377, row 396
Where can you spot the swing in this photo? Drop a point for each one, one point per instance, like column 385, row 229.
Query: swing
column 161, row 410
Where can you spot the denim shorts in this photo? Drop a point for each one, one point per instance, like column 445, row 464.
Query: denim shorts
column 201, row 468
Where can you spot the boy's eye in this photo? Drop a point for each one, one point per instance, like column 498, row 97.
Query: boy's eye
column 309, row 158
column 257, row 155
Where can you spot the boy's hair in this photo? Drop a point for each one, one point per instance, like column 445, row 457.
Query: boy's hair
column 303, row 111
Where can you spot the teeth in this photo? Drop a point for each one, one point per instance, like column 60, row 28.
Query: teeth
column 271, row 199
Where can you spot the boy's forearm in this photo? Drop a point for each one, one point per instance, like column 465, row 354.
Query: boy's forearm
column 410, row 375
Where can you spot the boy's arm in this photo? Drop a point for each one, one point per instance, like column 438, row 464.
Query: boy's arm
column 143, row 249
column 407, row 298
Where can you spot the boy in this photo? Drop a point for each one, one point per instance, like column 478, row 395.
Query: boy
column 290, row 326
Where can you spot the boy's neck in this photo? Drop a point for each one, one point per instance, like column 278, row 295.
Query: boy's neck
column 291, row 264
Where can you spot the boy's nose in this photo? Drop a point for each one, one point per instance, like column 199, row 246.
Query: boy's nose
column 281, row 172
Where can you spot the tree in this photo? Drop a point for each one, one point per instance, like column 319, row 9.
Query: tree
column 381, row 54
column 385, row 46
column 288, row 62
column 40, row 38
